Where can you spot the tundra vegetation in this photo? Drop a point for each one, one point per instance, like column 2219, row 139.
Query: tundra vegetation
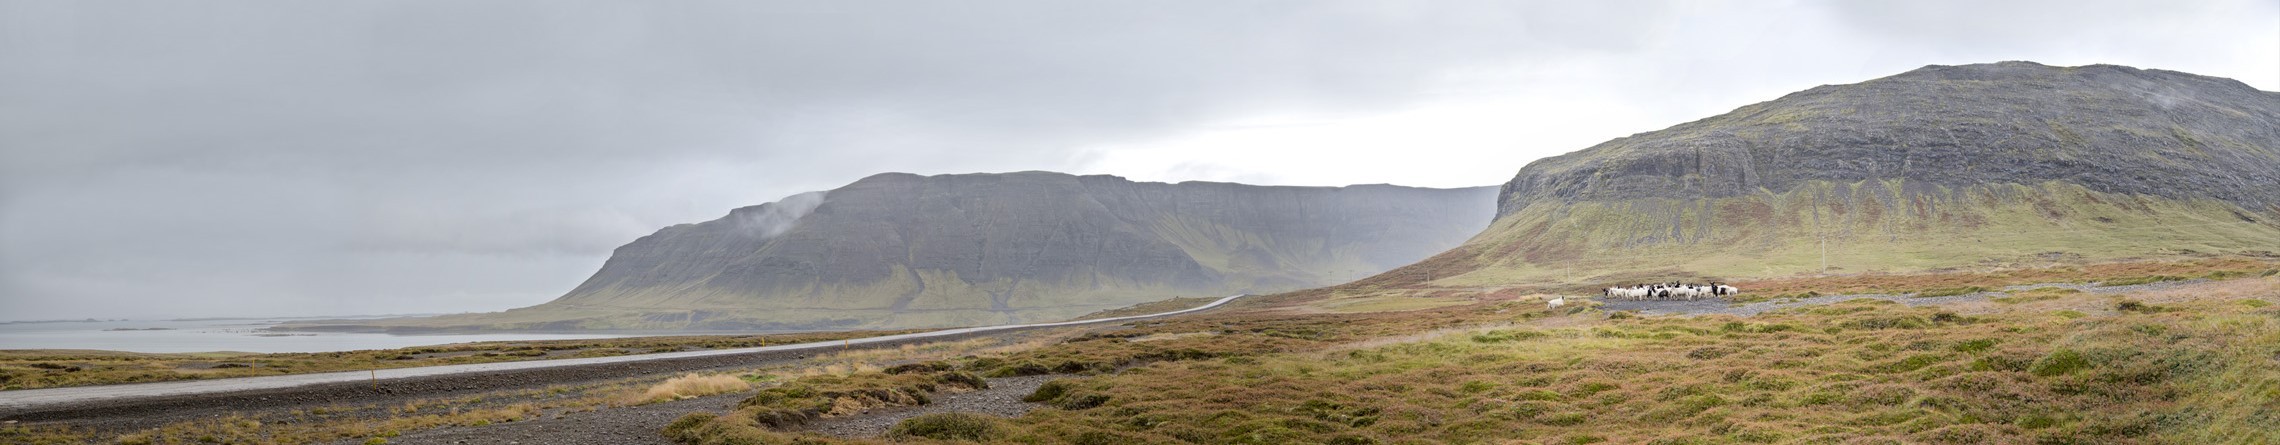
column 2186, row 364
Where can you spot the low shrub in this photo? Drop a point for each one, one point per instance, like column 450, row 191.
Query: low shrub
column 915, row 368
column 950, row 426
column 2228, row 274
column 688, row 421
column 2036, row 294
column 962, row 379
column 1950, row 292
column 1079, row 402
column 1563, row 419
column 1976, row 345
column 1507, row 335
column 1048, row 391
column 1887, row 322
column 1023, row 369
column 2140, row 280
column 1708, row 352
column 2059, row 362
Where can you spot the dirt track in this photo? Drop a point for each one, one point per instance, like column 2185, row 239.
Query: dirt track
column 145, row 412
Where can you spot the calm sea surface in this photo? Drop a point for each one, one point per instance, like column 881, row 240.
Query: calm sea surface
column 223, row 335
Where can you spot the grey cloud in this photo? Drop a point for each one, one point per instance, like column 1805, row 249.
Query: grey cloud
column 204, row 158
column 2044, row 22
column 241, row 151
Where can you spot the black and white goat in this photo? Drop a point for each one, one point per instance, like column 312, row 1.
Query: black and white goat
column 1670, row 291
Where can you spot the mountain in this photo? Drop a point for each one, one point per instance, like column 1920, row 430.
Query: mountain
column 904, row 251
column 1939, row 167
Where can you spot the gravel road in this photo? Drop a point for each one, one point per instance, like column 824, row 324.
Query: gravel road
column 132, row 407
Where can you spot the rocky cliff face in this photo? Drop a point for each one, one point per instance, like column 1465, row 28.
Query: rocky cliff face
column 901, row 250
column 1938, row 167
column 2111, row 129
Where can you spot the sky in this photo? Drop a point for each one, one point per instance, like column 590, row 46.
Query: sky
column 165, row 159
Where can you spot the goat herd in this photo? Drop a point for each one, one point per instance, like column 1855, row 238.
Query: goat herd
column 1670, row 291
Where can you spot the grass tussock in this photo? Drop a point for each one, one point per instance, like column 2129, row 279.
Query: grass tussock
column 950, row 426
column 2035, row 294
column 765, row 416
column 1950, row 292
column 688, row 387
column 2150, row 279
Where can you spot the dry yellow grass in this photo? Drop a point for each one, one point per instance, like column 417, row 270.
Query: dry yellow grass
column 690, row 386
column 839, row 369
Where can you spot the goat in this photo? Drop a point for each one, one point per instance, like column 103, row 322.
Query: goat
column 1670, row 291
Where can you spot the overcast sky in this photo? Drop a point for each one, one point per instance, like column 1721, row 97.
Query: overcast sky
column 185, row 159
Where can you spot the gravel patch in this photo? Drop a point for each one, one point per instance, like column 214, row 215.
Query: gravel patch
column 1002, row 399
column 2096, row 289
column 1723, row 307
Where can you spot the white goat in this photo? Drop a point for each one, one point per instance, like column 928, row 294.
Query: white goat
column 1628, row 293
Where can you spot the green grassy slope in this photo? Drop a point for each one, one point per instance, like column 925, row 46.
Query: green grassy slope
column 1844, row 228
column 1941, row 167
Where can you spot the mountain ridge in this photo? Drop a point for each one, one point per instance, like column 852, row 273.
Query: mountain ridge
column 1938, row 167
column 1717, row 135
column 897, row 250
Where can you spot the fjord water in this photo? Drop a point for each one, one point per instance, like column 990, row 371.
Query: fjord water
column 242, row 335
